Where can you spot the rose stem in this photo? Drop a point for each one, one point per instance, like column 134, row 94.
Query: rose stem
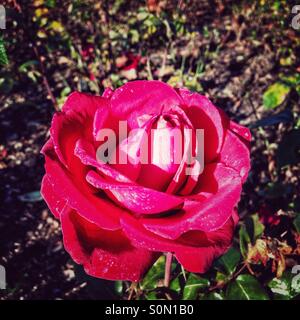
column 168, row 265
column 132, row 289
column 45, row 80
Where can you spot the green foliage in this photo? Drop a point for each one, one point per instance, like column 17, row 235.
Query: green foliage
column 249, row 232
column 229, row 261
column 275, row 95
column 29, row 68
column 293, row 81
column 214, row 296
column 254, row 227
column 155, row 274
column 175, row 285
column 119, row 287
column 3, row 55
column 244, row 239
column 284, row 288
column 245, row 287
column 193, row 285
column 296, row 223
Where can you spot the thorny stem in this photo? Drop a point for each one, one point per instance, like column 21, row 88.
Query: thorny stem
column 132, row 290
column 45, row 80
column 235, row 275
column 169, row 257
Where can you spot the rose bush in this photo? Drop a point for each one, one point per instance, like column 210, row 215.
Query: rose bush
column 118, row 219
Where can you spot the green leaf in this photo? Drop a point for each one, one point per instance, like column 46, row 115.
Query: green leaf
column 193, row 286
column 258, row 227
column 143, row 15
column 246, row 287
column 275, row 95
column 254, row 227
column 50, row 3
column 214, row 296
column 221, row 277
column 283, row 288
column 229, row 260
column 291, row 80
column 151, row 295
column 296, row 223
column 251, row 230
column 24, row 67
column 175, row 285
column 119, row 287
column 3, row 55
column 244, row 240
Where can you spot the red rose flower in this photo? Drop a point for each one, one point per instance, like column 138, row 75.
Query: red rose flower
column 117, row 219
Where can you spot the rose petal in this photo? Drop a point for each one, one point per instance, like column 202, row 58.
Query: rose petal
column 141, row 237
column 107, row 93
column 86, row 153
column 83, row 103
column 136, row 198
column 235, row 154
column 204, row 115
column 79, row 196
column 137, row 98
column 74, row 122
column 127, row 159
column 54, row 202
column 240, row 130
column 220, row 189
column 163, row 154
column 195, row 249
column 180, row 177
column 199, row 260
column 104, row 254
column 192, row 179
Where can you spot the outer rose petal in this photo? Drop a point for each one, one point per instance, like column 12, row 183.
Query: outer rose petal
column 240, row 130
column 137, row 98
column 204, row 115
column 235, row 154
column 83, row 103
column 141, row 237
column 76, row 121
column 54, row 202
column 136, row 198
column 104, row 254
column 208, row 210
column 81, row 197
column 107, row 93
column 194, row 250
column 200, row 259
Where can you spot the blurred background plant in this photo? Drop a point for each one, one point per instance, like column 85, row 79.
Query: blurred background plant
column 244, row 55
